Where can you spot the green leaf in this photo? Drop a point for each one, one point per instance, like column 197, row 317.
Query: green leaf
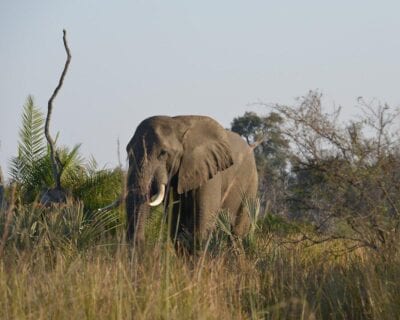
column 31, row 147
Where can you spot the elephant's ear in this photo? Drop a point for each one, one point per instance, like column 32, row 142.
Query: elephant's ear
column 206, row 151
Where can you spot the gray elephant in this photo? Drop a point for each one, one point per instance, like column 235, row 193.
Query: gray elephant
column 195, row 163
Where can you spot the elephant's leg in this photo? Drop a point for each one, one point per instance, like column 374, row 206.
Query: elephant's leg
column 241, row 224
column 180, row 226
column 194, row 215
column 207, row 205
column 174, row 216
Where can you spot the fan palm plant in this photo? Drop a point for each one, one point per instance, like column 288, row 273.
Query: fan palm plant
column 97, row 187
column 32, row 170
column 27, row 167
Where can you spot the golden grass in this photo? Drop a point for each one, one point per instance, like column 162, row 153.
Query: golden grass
column 273, row 282
column 55, row 266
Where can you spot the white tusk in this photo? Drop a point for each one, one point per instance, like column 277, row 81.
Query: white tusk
column 159, row 198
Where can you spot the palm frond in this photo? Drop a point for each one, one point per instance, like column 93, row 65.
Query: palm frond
column 224, row 223
column 71, row 158
column 99, row 188
column 91, row 165
column 72, row 165
column 101, row 223
column 31, row 146
column 15, row 169
column 31, row 134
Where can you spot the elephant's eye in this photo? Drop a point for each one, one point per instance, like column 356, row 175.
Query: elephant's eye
column 163, row 154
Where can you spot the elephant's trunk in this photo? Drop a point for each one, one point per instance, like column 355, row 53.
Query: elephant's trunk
column 137, row 211
column 145, row 189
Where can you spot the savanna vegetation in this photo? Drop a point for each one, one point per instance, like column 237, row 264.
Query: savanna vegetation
column 323, row 242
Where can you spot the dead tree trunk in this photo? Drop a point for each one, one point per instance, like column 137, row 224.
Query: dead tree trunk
column 56, row 194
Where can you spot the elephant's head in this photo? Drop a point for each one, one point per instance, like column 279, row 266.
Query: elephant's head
column 185, row 151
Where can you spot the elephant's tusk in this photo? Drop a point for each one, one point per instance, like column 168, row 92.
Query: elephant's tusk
column 159, row 197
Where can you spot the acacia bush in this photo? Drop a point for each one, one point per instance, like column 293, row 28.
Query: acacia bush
column 345, row 176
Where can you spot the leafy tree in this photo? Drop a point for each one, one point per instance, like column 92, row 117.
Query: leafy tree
column 250, row 126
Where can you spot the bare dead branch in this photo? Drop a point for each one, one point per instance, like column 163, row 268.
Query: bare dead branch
column 55, row 161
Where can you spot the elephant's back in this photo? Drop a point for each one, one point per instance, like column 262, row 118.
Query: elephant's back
column 242, row 152
column 241, row 177
column 237, row 142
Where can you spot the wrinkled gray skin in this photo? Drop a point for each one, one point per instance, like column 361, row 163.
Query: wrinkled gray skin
column 205, row 168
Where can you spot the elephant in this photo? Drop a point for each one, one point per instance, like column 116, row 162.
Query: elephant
column 199, row 166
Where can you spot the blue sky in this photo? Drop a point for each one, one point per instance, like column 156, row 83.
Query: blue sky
column 133, row 59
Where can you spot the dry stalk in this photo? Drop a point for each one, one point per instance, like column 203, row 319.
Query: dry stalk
column 9, row 215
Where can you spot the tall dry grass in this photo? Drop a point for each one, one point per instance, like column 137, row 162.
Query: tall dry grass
column 258, row 279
